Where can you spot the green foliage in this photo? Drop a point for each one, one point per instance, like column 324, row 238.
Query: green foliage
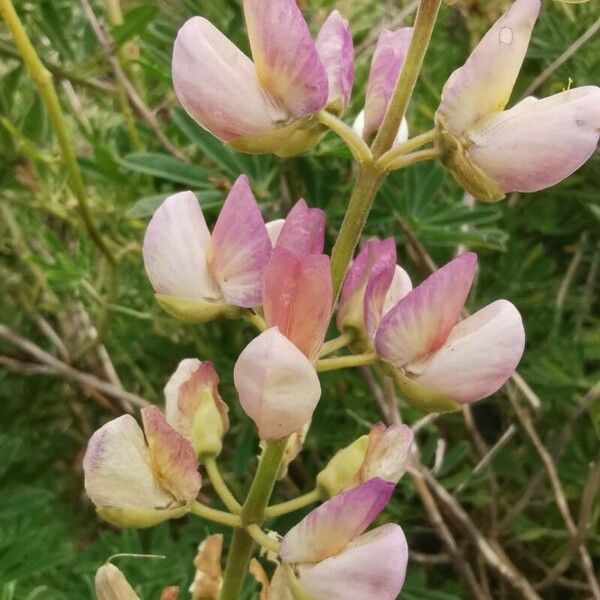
column 540, row 251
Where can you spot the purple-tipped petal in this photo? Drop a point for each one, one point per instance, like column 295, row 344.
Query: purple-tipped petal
column 286, row 58
column 376, row 260
column 538, row 143
column 173, row 459
column 421, row 322
column 386, row 66
column 483, row 85
column 118, row 469
column 480, row 354
column 329, row 528
column 240, row 248
column 218, row 86
column 335, row 48
column 175, row 247
column 297, row 297
column 388, row 452
column 303, row 231
column 277, row 385
column 372, row 567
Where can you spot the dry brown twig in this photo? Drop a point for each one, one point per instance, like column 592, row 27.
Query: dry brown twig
column 50, row 365
column 139, row 105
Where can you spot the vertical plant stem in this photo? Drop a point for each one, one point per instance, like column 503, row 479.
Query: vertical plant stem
column 253, row 511
column 424, row 23
column 43, row 81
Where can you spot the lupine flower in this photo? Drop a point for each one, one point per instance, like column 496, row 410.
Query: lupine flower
column 388, row 60
column 194, row 407
column 464, row 361
column 198, row 276
column 384, row 453
column 111, row 584
column 137, row 482
column 277, row 385
column 529, row 147
column 375, row 265
column 335, row 560
column 208, row 577
column 265, row 105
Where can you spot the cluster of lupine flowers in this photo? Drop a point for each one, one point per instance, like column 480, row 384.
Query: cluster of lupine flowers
column 277, row 275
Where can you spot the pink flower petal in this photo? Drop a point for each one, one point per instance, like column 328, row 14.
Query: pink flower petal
column 303, row 231
column 376, row 260
column 400, row 286
column 388, row 453
column 118, row 470
column 277, row 385
column 480, row 354
column 420, row 323
column 483, row 85
column 335, row 48
column 371, row 567
column 538, row 143
column 240, row 247
column 175, row 247
column 218, row 86
column 297, row 297
column 173, row 459
column 184, row 391
column 274, row 229
column 329, row 528
column 286, row 58
column 386, row 66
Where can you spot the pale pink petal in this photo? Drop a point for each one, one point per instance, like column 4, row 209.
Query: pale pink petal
column 388, row 452
column 184, row 391
column 538, row 143
column 401, row 285
column 334, row 45
column 286, row 58
column 372, row 567
column 329, row 528
column 420, row 323
column 118, row 470
column 274, row 229
column 386, row 66
column 175, row 247
column 277, row 385
column 376, row 260
column 480, row 354
column 297, row 297
column 403, row 132
column 303, row 231
column 173, row 459
column 111, row 584
column 218, row 86
column 483, row 85
column 240, row 247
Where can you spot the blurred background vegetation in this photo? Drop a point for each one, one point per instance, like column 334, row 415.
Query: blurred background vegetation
column 540, row 251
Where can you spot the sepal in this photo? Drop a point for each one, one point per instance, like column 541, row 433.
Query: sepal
column 190, row 310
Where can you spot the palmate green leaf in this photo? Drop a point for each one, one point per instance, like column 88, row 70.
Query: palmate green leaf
column 135, row 22
column 166, row 167
column 145, row 207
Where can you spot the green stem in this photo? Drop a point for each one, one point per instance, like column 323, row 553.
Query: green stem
column 253, row 512
column 409, row 146
column 218, row 516
column 335, row 344
column 414, row 157
column 423, row 27
column 294, row 586
column 368, row 182
column 345, row 362
column 42, row 78
column 255, row 319
column 220, row 486
column 291, row 505
column 357, row 146
column 260, row 537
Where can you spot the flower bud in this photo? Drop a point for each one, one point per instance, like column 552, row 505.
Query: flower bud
column 111, row 584
column 343, row 468
column 195, row 408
